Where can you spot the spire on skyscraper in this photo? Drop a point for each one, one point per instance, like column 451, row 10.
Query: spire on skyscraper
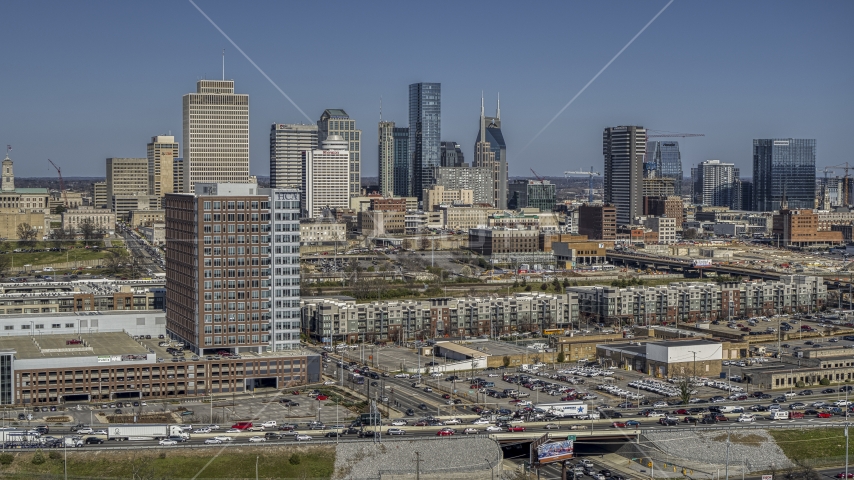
column 498, row 108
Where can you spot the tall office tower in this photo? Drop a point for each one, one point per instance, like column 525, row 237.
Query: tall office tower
column 335, row 121
column 216, row 134
column 742, row 194
column 402, row 162
column 232, row 251
column 127, row 185
column 451, row 155
column 667, row 160
column 162, row 152
column 425, row 129
column 538, row 194
column 385, row 154
column 491, row 139
column 783, row 167
column 287, row 143
column 624, row 149
column 325, row 177
column 99, row 195
column 714, row 183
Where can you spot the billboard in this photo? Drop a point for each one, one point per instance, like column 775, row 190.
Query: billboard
column 554, row 452
column 705, row 262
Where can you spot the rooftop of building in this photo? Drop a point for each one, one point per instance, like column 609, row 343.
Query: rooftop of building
column 69, row 288
column 58, row 346
column 685, row 343
column 630, row 348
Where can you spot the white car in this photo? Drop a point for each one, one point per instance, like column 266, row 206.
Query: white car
column 223, row 439
column 168, row 443
column 257, row 439
column 269, row 424
column 329, row 382
column 399, row 423
column 493, row 428
column 85, row 431
column 481, row 421
column 213, row 441
column 302, row 438
column 213, row 427
column 838, row 403
column 436, row 374
column 234, row 430
column 202, row 430
column 396, row 431
column 471, row 431
column 99, row 432
column 493, row 375
column 401, row 375
column 747, row 418
column 659, row 404
column 453, row 421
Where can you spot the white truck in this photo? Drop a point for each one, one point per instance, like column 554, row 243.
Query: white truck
column 142, row 431
column 564, row 409
column 72, row 442
column 10, row 436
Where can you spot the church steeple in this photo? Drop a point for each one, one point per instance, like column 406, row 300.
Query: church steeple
column 8, row 175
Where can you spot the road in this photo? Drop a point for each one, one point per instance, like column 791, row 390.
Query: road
column 147, row 256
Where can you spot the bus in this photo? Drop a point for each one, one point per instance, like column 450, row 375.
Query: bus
column 356, row 379
column 554, row 331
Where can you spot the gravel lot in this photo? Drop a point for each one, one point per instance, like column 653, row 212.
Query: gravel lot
column 446, row 456
column 755, row 447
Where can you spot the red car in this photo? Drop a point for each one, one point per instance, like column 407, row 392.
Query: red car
column 446, row 396
column 421, row 423
column 721, row 418
column 618, row 425
column 842, row 475
column 322, row 397
column 681, row 411
column 444, row 433
column 515, row 429
column 824, row 415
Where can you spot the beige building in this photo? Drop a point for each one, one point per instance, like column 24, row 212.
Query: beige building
column 100, row 217
column 437, row 195
column 216, row 135
column 322, row 232
column 464, row 218
column 9, row 223
column 381, row 222
column 665, row 228
column 99, row 195
column 143, row 217
column 155, row 234
column 162, row 151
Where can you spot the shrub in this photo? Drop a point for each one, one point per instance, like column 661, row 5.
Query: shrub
column 800, row 384
column 824, row 381
column 6, row 458
column 54, row 455
column 38, row 458
column 162, row 455
column 294, row 459
column 561, row 357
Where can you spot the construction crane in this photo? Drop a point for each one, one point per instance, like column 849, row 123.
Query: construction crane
column 663, row 134
column 591, row 173
column 845, row 193
column 61, row 184
column 537, row 175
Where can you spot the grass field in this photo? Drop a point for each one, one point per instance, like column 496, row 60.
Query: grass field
column 233, row 461
column 76, row 254
column 812, row 443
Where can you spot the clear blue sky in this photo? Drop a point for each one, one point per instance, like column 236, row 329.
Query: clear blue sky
column 83, row 81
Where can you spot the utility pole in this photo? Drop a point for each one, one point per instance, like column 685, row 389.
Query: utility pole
column 417, row 465
column 726, row 471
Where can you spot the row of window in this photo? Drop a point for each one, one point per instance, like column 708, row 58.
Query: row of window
column 38, row 326
column 235, row 205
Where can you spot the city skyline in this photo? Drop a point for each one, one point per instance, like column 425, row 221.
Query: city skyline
column 713, row 81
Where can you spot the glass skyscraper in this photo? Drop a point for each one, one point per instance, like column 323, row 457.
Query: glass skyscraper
column 783, row 167
column 402, row 163
column 668, row 162
column 425, row 128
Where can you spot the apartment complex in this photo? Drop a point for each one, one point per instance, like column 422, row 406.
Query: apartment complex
column 476, row 179
column 232, row 269
column 287, row 144
column 437, row 195
column 714, row 183
column 342, row 319
column 336, row 122
column 696, row 301
column 216, row 135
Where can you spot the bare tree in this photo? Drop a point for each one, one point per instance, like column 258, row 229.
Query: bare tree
column 88, row 230
column 5, row 264
column 27, row 234
column 425, row 243
column 114, row 261
column 406, row 244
